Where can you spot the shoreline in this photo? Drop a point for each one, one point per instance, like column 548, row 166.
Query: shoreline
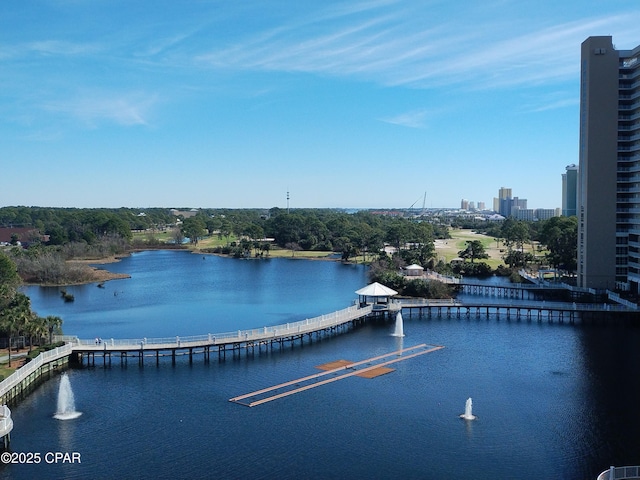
column 95, row 274
column 100, row 275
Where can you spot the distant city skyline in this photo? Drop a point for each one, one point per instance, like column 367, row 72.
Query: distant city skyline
column 342, row 104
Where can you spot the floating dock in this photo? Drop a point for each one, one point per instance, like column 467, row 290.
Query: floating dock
column 369, row 368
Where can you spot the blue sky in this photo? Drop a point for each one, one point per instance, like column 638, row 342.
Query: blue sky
column 110, row 103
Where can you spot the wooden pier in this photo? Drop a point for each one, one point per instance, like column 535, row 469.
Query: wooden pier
column 23, row 380
column 152, row 349
column 539, row 310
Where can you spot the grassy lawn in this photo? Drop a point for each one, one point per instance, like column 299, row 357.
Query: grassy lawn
column 446, row 250
column 449, row 248
column 5, row 371
column 163, row 237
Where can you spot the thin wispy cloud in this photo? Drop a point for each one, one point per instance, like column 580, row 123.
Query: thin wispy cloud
column 545, row 105
column 383, row 46
column 284, row 82
column 57, row 47
column 92, row 110
column 48, row 48
column 413, row 119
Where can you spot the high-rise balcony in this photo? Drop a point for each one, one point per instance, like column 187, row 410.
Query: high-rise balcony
column 629, row 106
column 629, row 138
column 626, row 118
column 629, row 148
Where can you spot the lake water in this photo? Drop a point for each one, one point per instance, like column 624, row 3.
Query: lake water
column 552, row 400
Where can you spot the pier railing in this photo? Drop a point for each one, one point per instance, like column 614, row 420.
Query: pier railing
column 6, row 423
column 614, row 297
column 256, row 334
column 20, row 374
column 522, row 304
column 619, row 473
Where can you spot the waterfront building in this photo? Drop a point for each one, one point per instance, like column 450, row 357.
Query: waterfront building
column 609, row 166
column 570, row 191
column 546, row 213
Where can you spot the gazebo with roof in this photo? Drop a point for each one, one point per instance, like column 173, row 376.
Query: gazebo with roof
column 375, row 294
column 414, row 270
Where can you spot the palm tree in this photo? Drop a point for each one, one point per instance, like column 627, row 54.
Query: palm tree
column 53, row 323
column 8, row 321
column 37, row 328
column 15, row 317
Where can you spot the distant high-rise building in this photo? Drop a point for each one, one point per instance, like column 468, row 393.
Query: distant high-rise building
column 519, row 202
column 504, row 202
column 546, row 213
column 608, row 178
column 464, row 204
column 481, row 206
column 504, row 193
column 570, row 191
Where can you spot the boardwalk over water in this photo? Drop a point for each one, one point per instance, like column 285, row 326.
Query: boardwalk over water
column 503, row 302
column 289, row 333
column 221, row 343
column 528, row 310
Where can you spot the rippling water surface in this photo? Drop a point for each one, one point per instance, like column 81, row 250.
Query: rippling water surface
column 552, row 400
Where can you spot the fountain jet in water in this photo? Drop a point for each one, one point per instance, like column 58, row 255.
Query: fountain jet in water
column 398, row 332
column 66, row 401
column 468, row 415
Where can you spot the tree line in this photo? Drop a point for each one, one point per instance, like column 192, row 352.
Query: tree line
column 16, row 317
column 98, row 233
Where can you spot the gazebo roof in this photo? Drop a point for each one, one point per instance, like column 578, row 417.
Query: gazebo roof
column 376, row 290
column 414, row 266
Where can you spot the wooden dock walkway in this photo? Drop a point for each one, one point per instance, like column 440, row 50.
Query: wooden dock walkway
column 21, row 381
column 511, row 304
column 313, row 381
column 519, row 310
column 220, row 343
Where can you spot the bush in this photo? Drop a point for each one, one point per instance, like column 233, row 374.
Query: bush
column 473, row 269
column 392, row 280
column 416, row 288
column 515, row 277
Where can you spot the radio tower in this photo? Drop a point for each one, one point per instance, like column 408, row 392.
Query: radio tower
column 287, row 201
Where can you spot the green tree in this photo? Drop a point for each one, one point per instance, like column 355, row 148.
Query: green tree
column 560, row 236
column 53, row 325
column 515, row 233
column 474, row 251
column 15, row 316
column 8, row 272
column 194, row 228
column 37, row 329
column 398, row 233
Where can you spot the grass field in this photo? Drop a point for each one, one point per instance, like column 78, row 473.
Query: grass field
column 446, row 250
